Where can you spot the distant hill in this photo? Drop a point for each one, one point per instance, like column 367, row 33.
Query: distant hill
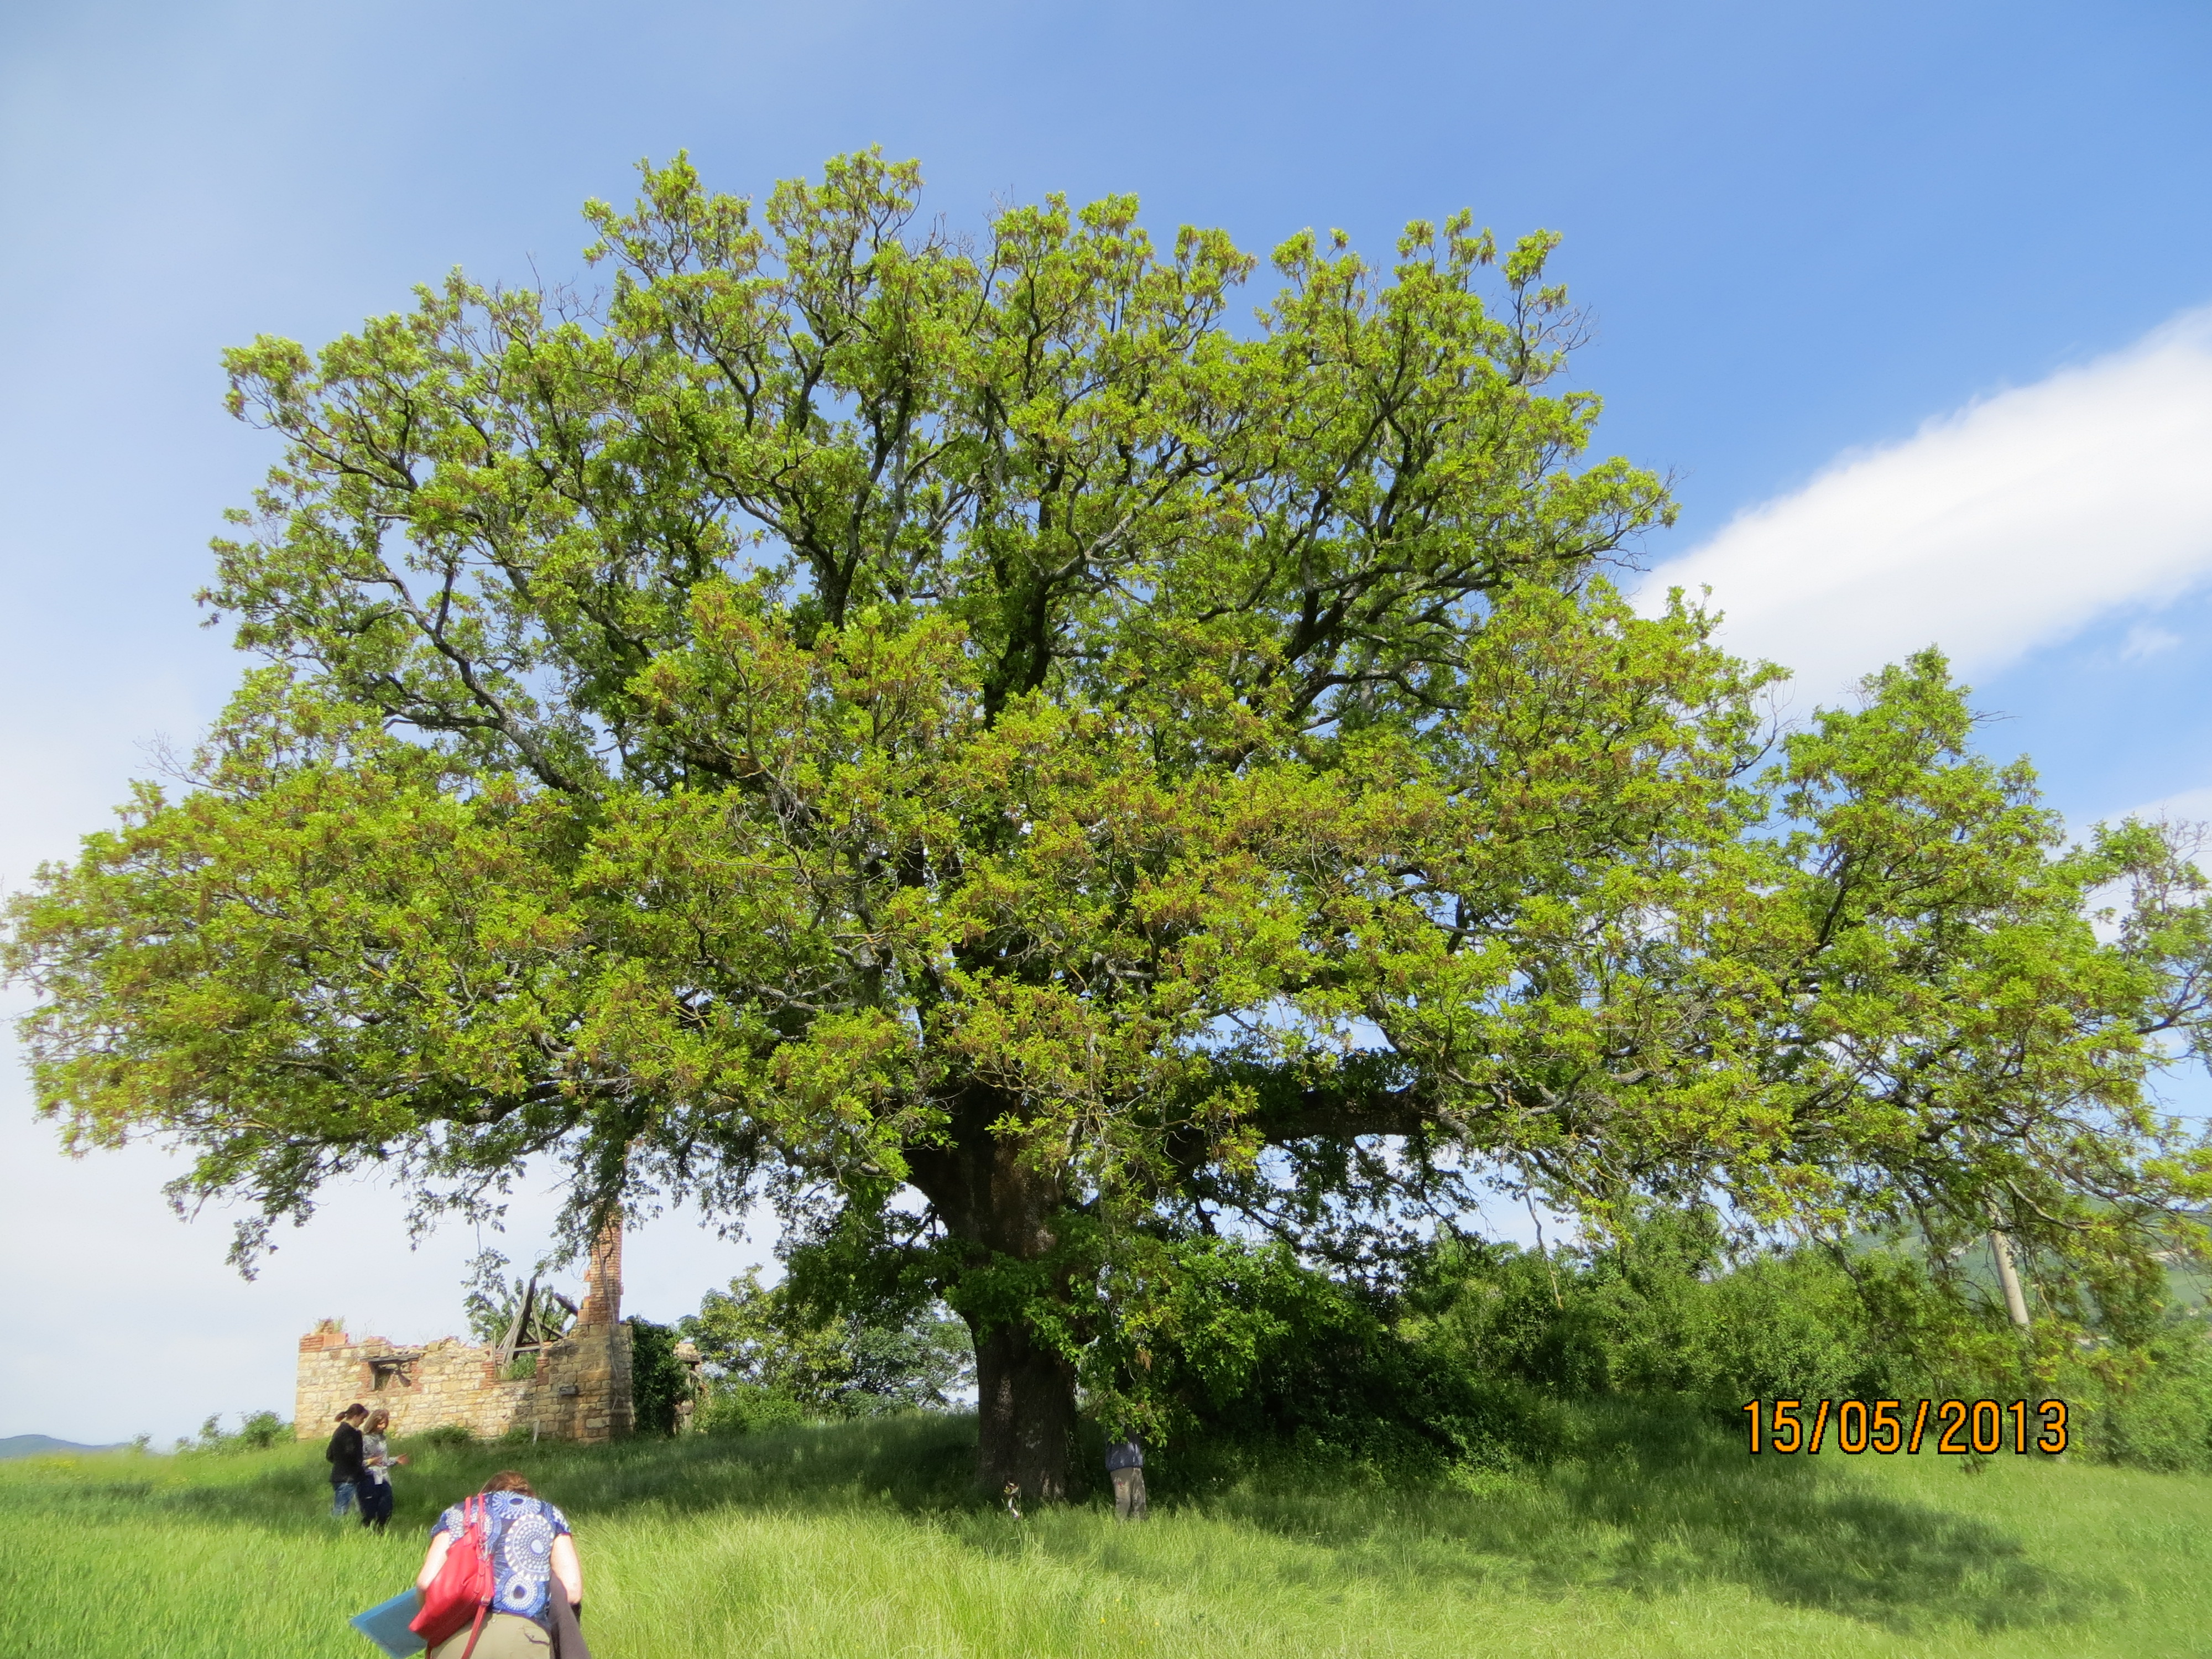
column 30, row 1445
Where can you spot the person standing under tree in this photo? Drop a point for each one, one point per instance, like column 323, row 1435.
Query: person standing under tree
column 377, row 1463
column 344, row 1456
column 1125, row 1462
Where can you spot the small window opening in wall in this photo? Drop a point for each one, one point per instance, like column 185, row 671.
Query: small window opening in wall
column 385, row 1370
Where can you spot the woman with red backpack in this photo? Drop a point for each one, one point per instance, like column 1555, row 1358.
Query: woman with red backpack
column 502, row 1580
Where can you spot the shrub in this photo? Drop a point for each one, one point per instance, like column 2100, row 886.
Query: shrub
column 744, row 1408
column 1655, row 1313
column 1250, row 1346
column 1661, row 1313
column 1476, row 1357
column 263, row 1430
column 2147, row 1403
column 658, row 1380
column 256, row 1431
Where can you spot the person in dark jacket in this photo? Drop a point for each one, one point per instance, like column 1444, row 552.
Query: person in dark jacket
column 344, row 1456
column 1125, row 1462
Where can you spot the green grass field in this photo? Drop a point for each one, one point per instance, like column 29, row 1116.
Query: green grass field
column 862, row 1540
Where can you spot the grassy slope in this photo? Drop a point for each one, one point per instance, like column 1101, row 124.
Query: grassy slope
column 862, row 1541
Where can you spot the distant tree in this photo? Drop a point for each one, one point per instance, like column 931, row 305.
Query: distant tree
column 257, row 1432
column 964, row 739
column 841, row 1364
column 518, row 1312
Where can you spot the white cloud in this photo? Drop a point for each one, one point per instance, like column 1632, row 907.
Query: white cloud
column 2005, row 525
column 2190, row 806
column 2145, row 641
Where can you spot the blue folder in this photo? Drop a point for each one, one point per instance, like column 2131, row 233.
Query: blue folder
column 385, row 1624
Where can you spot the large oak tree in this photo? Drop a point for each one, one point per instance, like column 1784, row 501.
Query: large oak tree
column 1027, row 764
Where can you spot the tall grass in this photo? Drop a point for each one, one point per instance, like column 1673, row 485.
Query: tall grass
column 1660, row 1538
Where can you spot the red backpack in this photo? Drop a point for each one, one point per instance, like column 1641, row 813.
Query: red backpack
column 462, row 1592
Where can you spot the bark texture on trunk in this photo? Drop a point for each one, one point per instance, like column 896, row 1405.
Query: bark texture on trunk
column 1025, row 1408
column 1002, row 1204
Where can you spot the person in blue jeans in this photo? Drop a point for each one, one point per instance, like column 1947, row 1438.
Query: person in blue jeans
column 344, row 1456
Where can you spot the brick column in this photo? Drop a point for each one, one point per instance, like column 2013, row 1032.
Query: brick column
column 604, row 1408
column 603, row 1277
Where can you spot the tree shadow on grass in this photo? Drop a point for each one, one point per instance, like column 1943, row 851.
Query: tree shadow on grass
column 1658, row 1502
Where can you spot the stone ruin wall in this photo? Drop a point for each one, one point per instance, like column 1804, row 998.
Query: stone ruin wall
column 581, row 1390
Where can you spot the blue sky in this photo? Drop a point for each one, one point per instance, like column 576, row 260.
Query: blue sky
column 1907, row 298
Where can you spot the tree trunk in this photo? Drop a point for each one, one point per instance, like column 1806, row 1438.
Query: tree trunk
column 2009, row 1277
column 1025, row 1410
column 1001, row 1205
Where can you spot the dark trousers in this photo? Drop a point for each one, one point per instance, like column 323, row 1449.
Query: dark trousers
column 375, row 1499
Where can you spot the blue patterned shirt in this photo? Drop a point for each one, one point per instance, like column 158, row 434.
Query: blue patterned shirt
column 522, row 1530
